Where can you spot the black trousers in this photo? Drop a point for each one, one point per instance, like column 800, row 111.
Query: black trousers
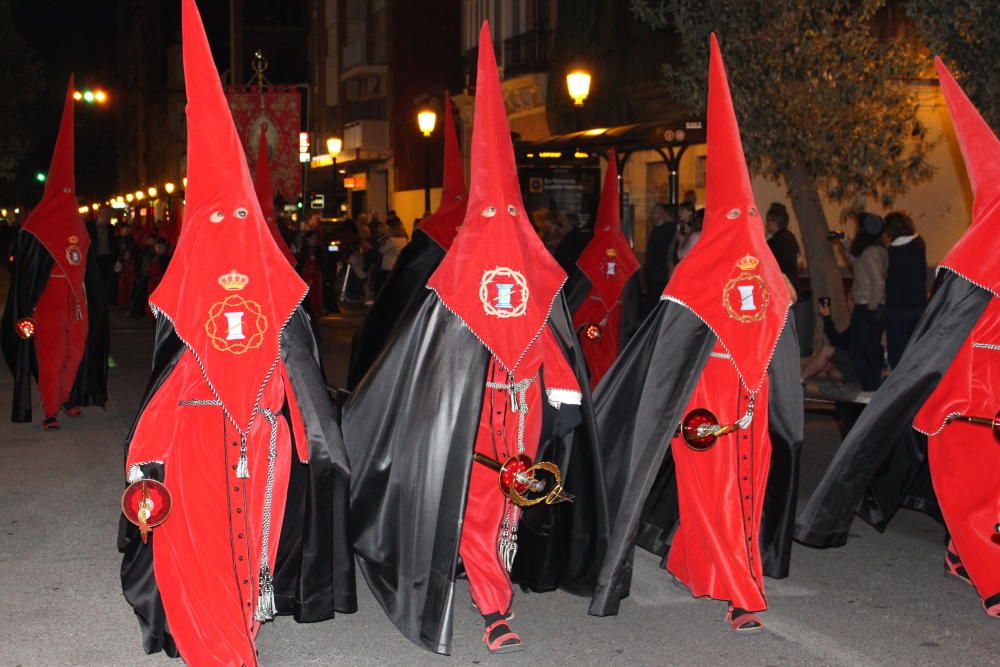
column 866, row 345
column 899, row 325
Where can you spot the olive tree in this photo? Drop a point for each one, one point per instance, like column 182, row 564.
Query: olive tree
column 824, row 105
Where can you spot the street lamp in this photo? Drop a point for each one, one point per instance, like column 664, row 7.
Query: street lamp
column 426, row 120
column 169, row 188
column 129, row 197
column 333, row 146
column 578, row 84
column 152, row 192
column 139, row 194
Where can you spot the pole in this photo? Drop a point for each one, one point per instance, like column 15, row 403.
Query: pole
column 427, row 176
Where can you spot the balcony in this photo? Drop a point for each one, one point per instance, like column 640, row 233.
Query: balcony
column 363, row 56
column 527, row 53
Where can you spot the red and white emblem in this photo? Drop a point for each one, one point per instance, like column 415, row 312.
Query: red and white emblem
column 745, row 296
column 235, row 324
column 503, row 293
column 73, row 254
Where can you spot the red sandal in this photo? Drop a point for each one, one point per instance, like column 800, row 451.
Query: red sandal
column 743, row 621
column 500, row 641
column 992, row 605
column 953, row 564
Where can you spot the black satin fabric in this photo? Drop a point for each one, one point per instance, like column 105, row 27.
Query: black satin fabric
column 882, row 464
column 314, row 569
column 785, row 427
column 410, row 429
column 638, row 405
column 29, row 275
column 404, row 290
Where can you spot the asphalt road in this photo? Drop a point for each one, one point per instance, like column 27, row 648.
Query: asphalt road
column 881, row 600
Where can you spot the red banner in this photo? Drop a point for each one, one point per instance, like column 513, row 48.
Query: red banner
column 280, row 109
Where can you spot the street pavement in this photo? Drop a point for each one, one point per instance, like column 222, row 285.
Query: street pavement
column 881, row 600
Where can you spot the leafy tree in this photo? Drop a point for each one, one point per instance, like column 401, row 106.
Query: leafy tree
column 22, row 79
column 967, row 34
column 823, row 104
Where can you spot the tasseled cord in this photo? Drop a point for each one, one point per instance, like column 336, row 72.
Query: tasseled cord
column 266, row 608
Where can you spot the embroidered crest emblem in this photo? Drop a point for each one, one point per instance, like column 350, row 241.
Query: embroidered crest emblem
column 236, row 325
column 73, row 254
column 233, row 281
column 745, row 297
column 610, row 267
column 503, row 293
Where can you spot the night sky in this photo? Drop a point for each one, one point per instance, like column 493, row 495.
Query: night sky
column 80, row 36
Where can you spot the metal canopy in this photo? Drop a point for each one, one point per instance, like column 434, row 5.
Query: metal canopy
column 624, row 138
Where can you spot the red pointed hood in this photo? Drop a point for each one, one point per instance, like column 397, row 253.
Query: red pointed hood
column 497, row 276
column 228, row 290
column 973, row 257
column 729, row 278
column 56, row 221
column 443, row 224
column 265, row 194
column 608, row 260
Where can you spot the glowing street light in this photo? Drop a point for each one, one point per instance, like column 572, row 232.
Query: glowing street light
column 334, row 146
column 77, row 95
column 185, row 182
column 129, row 197
column 139, row 194
column 578, row 84
column 95, row 206
column 152, row 192
column 40, row 176
column 426, row 120
column 100, row 96
column 168, row 188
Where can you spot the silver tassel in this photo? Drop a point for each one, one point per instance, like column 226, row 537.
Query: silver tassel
column 242, row 468
column 514, row 406
column 266, row 608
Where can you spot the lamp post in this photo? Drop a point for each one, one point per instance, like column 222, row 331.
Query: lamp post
column 333, row 146
column 426, row 120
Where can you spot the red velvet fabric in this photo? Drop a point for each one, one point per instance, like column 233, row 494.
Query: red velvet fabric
column 716, row 549
column 489, row 583
column 609, row 263
column 61, row 339
column 206, row 555
column 443, row 224
column 497, row 276
column 972, row 256
column 965, row 458
column 729, row 278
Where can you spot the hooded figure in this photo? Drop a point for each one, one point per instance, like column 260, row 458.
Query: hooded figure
column 486, row 362
column 406, row 285
column 236, row 421
column 55, row 325
column 718, row 349
column 921, row 413
column 265, row 194
column 604, row 294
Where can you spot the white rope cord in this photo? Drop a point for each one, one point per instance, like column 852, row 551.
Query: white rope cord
column 266, row 608
column 507, row 544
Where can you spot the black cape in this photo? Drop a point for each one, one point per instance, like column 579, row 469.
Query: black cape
column 29, row 275
column 403, row 290
column 638, row 406
column 882, row 464
column 314, row 567
column 579, row 286
column 410, row 429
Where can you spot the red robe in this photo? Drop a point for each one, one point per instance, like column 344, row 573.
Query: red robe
column 715, row 550
column 481, row 545
column 965, row 458
column 61, row 315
